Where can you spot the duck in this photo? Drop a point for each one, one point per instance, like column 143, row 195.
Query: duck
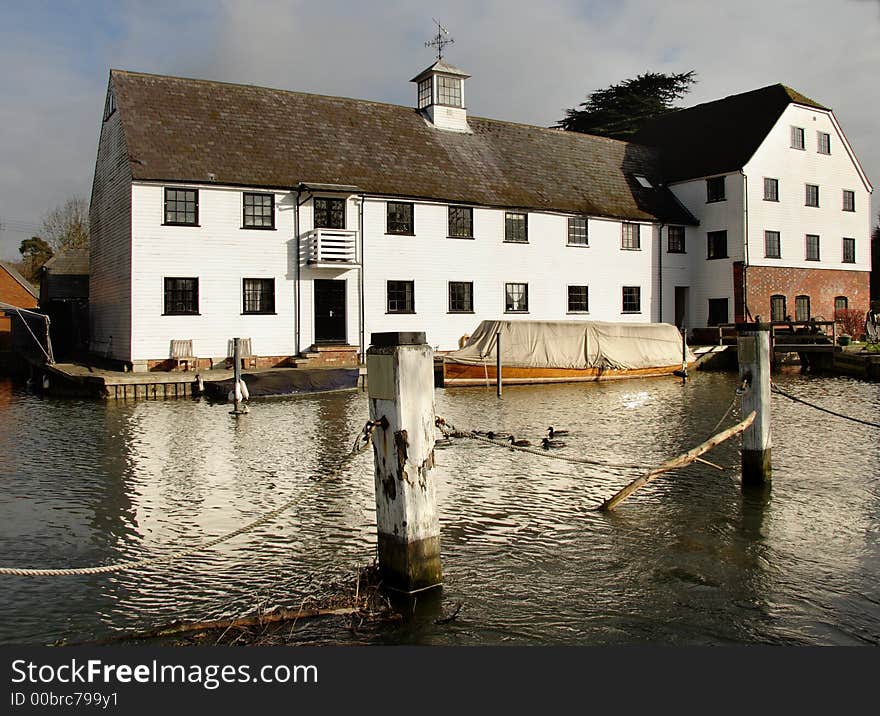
column 547, row 443
column 553, row 433
column 519, row 443
column 497, row 436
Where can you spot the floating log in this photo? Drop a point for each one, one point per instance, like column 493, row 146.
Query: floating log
column 680, row 461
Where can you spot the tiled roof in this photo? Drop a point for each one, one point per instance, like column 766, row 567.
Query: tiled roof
column 718, row 137
column 192, row 130
column 25, row 284
column 73, row 262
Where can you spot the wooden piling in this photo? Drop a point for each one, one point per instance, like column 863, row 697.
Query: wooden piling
column 498, row 378
column 237, row 407
column 400, row 384
column 753, row 352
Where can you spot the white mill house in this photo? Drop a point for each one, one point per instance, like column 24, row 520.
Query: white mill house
column 306, row 222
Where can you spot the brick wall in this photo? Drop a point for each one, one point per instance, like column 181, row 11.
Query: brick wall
column 821, row 285
column 11, row 291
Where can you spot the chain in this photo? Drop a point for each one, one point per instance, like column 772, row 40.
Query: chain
column 779, row 391
column 361, row 443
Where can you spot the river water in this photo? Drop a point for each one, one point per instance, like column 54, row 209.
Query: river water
column 690, row 559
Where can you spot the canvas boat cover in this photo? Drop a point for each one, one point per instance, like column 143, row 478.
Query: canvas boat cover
column 573, row 344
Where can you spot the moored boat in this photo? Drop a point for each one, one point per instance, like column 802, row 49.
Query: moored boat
column 566, row 351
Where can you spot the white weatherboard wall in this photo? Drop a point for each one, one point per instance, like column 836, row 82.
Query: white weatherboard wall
column 220, row 253
column 713, row 278
column 794, row 168
column 431, row 260
column 110, row 260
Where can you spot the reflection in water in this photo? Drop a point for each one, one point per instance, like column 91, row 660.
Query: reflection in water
column 691, row 559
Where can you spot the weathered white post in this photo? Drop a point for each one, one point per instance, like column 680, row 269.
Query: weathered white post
column 753, row 352
column 400, row 384
column 498, row 364
column 684, row 352
column 237, row 407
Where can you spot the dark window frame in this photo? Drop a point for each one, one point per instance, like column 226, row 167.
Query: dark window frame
column 799, row 314
column 176, row 211
column 328, row 212
column 712, row 316
column 851, row 204
column 466, row 211
column 775, row 236
column 838, row 306
column 508, row 303
column 574, row 231
column 265, row 299
column 509, row 218
column 775, row 300
column 771, row 189
column 180, row 296
column 425, row 98
column 109, row 104
column 244, row 210
column 585, row 299
column 809, row 195
column 808, row 245
column 389, row 228
column 467, row 299
column 716, row 189
column 624, row 239
column 713, row 239
column 798, row 138
column 408, row 297
column 635, row 299
column 848, row 250
column 679, row 246
column 819, row 148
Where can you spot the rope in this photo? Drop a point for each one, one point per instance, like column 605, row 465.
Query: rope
column 10, row 308
column 362, row 442
column 739, row 391
column 780, row 391
column 450, row 431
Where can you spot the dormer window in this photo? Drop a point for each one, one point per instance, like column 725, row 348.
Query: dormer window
column 449, row 91
column 424, row 92
column 109, row 104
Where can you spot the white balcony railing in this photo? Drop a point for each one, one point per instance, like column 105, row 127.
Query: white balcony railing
column 331, row 248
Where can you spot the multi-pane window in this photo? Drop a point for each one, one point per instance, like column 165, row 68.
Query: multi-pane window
column 461, row 297
column 577, row 231
column 772, row 245
column 797, row 138
column 259, row 211
column 399, row 219
column 109, row 104
column 777, row 308
column 841, row 303
column 716, row 245
column 632, row 299
column 812, row 251
column 401, row 297
column 824, row 143
column 812, row 195
column 424, row 93
column 182, row 206
column 578, row 299
column 329, row 213
column 461, row 222
column 771, row 189
column 516, row 297
column 516, row 227
column 718, row 313
column 802, row 308
column 630, row 238
column 715, row 189
column 849, row 200
column 849, row 251
column 181, row 296
column 258, row 295
column 449, row 90
column 675, row 240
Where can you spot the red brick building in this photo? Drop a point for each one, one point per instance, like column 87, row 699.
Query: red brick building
column 15, row 291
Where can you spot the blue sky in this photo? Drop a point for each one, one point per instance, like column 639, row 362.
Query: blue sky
column 529, row 62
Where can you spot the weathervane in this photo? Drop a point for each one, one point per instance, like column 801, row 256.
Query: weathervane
column 441, row 40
